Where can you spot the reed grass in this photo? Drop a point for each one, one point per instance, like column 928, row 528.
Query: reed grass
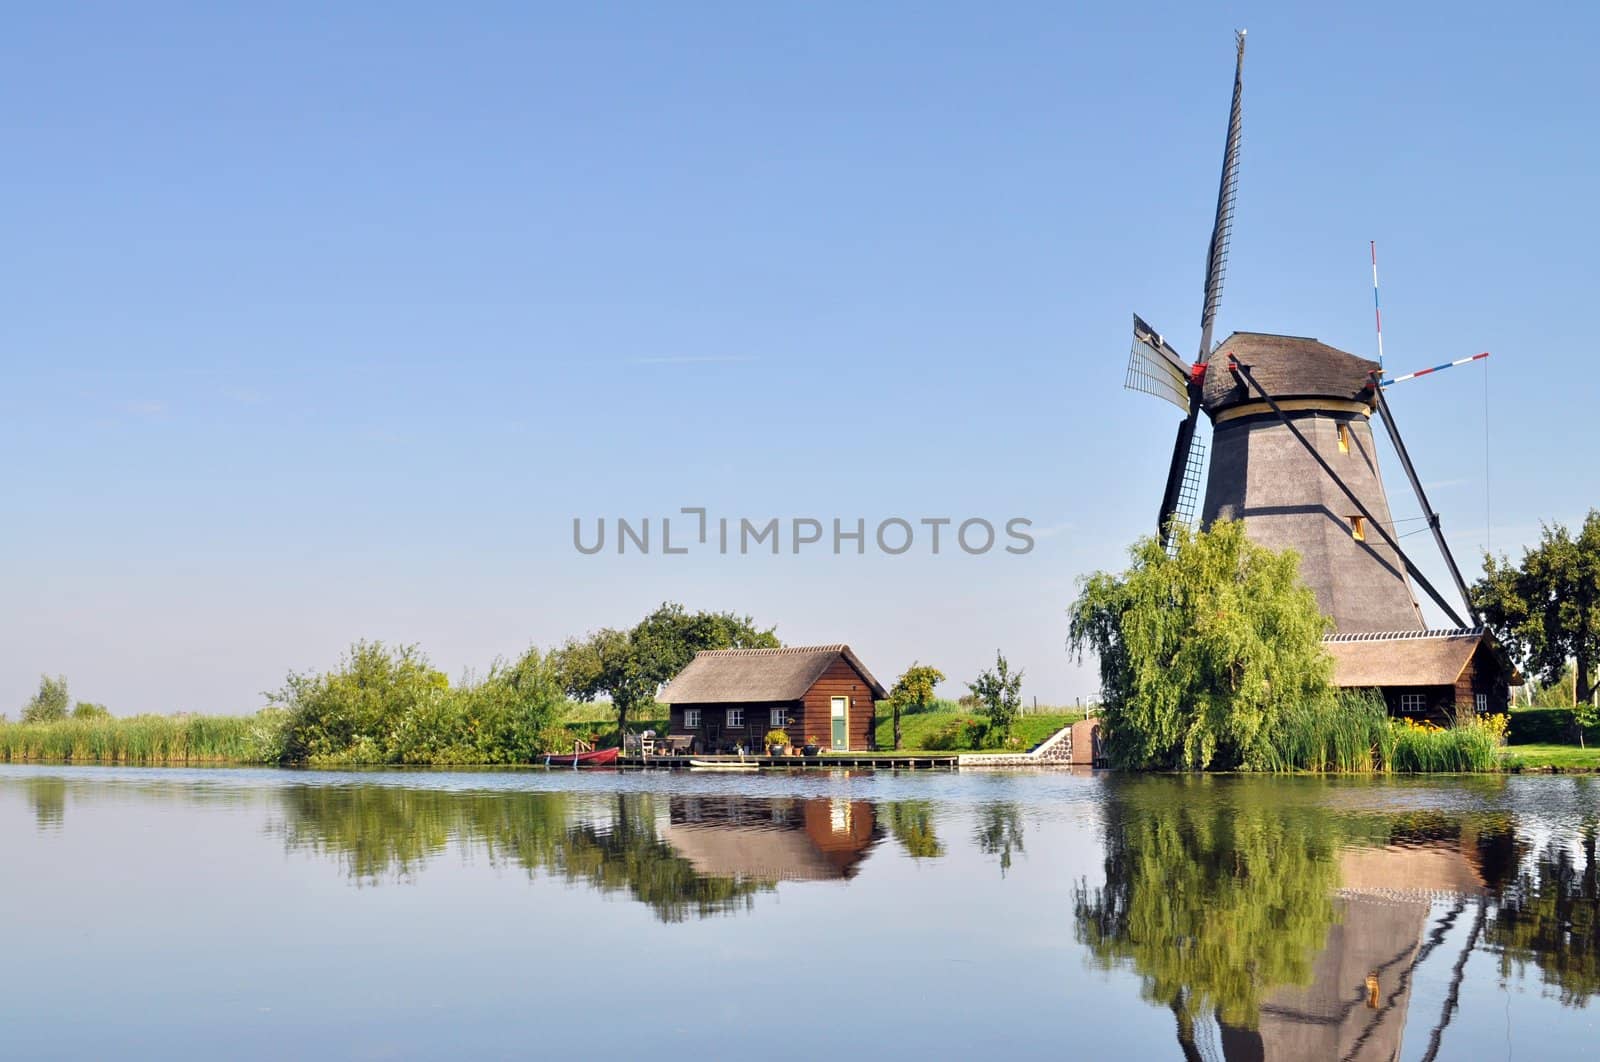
column 1353, row 734
column 1348, row 733
column 148, row 740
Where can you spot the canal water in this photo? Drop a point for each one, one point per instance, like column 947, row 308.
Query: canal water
column 274, row 914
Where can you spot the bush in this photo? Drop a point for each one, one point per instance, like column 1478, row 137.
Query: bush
column 1546, row 726
column 952, row 735
column 391, row 706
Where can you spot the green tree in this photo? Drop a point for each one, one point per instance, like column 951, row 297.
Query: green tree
column 1201, row 652
column 1545, row 610
column 999, row 694
column 1556, row 694
column 90, row 710
column 50, row 703
column 913, row 691
column 630, row 666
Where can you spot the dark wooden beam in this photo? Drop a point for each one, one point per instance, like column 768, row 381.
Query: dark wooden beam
column 1427, row 510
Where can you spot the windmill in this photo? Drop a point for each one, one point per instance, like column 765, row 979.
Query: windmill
column 1293, row 456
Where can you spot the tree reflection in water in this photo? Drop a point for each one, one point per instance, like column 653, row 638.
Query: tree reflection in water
column 999, row 831
column 911, row 824
column 1211, row 901
column 1549, row 918
column 1275, row 926
column 49, row 799
column 683, row 857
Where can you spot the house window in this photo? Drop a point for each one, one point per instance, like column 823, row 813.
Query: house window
column 1344, row 438
column 735, row 718
column 691, row 719
column 1358, row 528
column 778, row 720
column 1480, row 701
column 1412, row 703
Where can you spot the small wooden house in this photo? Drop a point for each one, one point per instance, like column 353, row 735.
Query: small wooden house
column 1425, row 675
column 733, row 697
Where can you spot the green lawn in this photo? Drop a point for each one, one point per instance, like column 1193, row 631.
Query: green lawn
column 916, row 730
column 1562, row 757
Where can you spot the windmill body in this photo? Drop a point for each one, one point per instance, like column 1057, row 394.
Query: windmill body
column 1293, row 457
column 1261, row 474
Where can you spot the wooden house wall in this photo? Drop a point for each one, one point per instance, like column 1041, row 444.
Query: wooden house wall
column 840, row 680
column 757, row 721
column 1447, row 701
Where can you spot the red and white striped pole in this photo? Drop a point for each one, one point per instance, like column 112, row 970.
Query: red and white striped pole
column 1436, row 368
column 1377, row 311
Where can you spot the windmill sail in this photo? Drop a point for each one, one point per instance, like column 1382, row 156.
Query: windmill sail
column 1154, row 368
column 1227, row 192
column 1186, row 461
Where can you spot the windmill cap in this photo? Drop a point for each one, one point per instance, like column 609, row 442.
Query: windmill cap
column 1286, row 367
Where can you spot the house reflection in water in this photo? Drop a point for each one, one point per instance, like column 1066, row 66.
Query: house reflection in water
column 772, row 840
column 1356, row 1006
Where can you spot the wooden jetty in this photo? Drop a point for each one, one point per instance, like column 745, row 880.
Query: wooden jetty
column 895, row 760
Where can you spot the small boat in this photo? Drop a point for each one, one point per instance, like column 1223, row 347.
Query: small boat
column 597, row 758
column 720, row 765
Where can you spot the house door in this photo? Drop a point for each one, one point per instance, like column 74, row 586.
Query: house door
column 841, row 723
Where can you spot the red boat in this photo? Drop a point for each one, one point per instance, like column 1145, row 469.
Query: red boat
column 597, row 758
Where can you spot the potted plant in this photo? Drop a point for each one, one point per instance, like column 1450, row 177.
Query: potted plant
column 813, row 746
column 777, row 742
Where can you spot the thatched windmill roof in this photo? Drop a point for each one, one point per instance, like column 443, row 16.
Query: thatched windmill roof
column 1287, row 367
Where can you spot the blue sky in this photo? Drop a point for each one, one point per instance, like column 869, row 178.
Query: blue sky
column 326, row 324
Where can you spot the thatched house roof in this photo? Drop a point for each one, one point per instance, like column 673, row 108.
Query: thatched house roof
column 754, row 853
column 1287, row 367
column 1402, row 658
column 745, row 676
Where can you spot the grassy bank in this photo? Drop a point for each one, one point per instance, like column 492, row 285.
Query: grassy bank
column 1536, row 757
column 957, row 731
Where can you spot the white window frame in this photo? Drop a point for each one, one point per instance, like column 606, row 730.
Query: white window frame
column 735, row 720
column 1413, row 703
column 1480, row 703
column 691, row 719
column 778, row 718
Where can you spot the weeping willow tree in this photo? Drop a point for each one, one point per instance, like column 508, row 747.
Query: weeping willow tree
column 1201, row 652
